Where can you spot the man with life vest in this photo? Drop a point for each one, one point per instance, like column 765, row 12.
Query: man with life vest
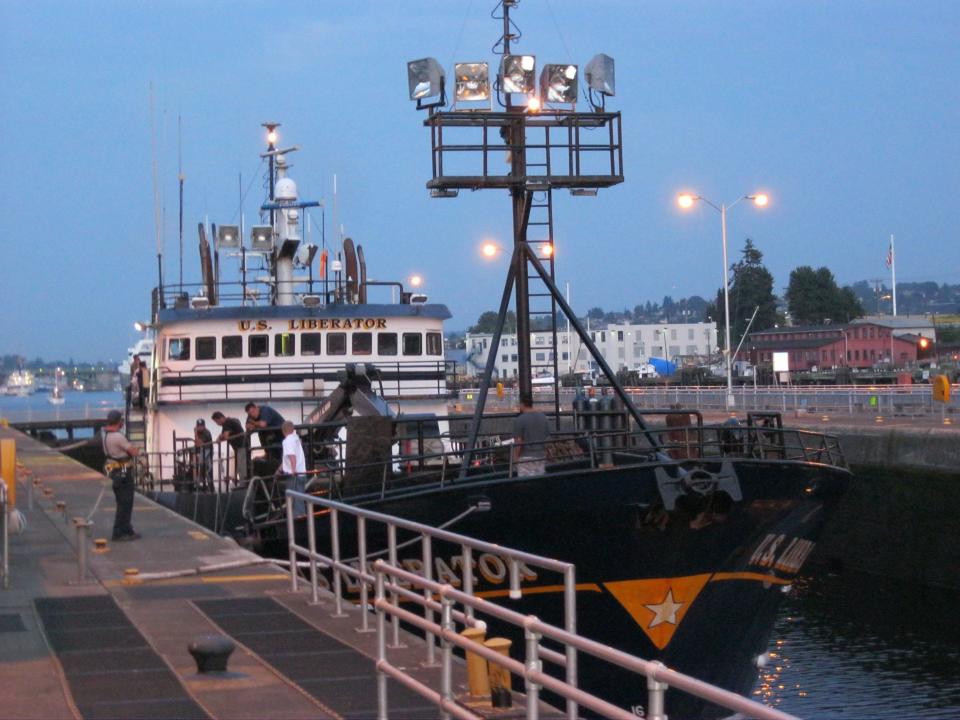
column 118, row 467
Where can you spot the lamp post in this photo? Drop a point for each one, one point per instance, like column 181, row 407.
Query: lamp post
column 686, row 201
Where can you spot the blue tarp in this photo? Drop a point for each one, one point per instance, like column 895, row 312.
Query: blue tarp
column 663, row 367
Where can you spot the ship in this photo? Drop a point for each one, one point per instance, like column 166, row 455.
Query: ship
column 685, row 535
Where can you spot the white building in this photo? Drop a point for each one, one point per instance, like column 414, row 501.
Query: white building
column 624, row 346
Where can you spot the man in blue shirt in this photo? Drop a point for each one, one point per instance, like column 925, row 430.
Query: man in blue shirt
column 267, row 422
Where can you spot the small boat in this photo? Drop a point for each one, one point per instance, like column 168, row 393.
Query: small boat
column 20, row 383
column 56, row 396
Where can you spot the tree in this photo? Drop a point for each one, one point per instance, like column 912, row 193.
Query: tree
column 750, row 289
column 487, row 323
column 595, row 313
column 813, row 297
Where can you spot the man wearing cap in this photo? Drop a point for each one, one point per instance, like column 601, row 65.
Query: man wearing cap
column 231, row 430
column 120, row 453
column 203, row 443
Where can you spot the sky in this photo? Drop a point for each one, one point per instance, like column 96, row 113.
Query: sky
column 846, row 112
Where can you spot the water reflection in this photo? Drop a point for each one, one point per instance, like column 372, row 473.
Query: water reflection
column 857, row 646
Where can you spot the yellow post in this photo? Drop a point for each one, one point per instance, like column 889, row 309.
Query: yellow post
column 500, row 684
column 499, row 391
column 8, row 468
column 477, row 680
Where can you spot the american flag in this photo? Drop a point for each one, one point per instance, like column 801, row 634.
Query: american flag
column 890, row 255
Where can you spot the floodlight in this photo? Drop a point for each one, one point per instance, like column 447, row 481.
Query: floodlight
column 443, row 193
column 261, row 238
column 472, row 81
column 311, row 300
column 425, row 78
column 228, row 236
column 517, row 74
column 199, row 302
column 599, row 74
column 558, row 83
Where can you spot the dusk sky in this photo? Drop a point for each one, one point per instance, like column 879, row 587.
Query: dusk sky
column 846, row 112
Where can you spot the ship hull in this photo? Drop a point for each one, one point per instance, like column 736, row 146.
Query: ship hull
column 695, row 585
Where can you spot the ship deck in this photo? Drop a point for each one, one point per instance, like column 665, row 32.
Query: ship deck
column 116, row 645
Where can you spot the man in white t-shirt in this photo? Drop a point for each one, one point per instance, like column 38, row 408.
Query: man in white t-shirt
column 294, row 464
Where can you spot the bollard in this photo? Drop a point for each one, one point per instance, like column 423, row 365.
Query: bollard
column 62, row 509
column 211, row 653
column 477, row 681
column 100, row 545
column 500, row 685
column 83, row 528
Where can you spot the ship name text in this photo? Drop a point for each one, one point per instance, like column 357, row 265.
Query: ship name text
column 318, row 324
column 782, row 553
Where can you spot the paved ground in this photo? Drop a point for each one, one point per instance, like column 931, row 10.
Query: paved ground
column 168, row 614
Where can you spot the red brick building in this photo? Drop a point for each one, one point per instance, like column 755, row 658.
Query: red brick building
column 858, row 345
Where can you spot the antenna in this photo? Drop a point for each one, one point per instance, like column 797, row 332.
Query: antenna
column 156, row 197
column 180, row 178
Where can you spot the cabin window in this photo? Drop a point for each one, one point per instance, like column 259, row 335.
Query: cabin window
column 336, row 343
column 284, row 345
column 206, row 348
column 387, row 343
column 231, row 346
column 178, row 349
column 434, row 343
column 362, row 343
column 412, row 344
column 310, row 343
column 258, row 346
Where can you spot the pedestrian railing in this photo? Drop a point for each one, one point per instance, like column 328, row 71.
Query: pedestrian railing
column 355, row 563
column 393, row 585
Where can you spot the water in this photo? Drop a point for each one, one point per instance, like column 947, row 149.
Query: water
column 76, row 406
column 847, row 646
column 858, row 646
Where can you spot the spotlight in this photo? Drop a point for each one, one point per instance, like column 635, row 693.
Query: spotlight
column 517, row 74
column 472, row 82
column 228, row 236
column 425, row 79
column 261, row 238
column 599, row 74
column 533, row 104
column 558, row 83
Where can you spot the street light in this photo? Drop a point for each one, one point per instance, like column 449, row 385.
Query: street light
column 686, row 201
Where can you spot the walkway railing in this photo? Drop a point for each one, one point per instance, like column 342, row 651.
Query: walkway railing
column 394, row 585
column 425, row 535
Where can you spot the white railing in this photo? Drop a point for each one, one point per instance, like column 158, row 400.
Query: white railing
column 393, row 585
column 360, row 572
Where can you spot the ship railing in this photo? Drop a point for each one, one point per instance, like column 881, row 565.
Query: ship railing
column 393, row 585
column 289, row 380
column 737, row 442
column 359, row 570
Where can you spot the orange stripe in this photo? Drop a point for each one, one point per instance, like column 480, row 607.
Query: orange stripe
column 582, row 587
column 760, row 577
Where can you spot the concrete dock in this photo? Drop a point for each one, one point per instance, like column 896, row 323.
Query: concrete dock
column 116, row 646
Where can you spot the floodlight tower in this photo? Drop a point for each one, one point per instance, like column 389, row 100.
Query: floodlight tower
column 539, row 129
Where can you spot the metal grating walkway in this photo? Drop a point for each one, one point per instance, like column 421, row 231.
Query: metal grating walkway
column 111, row 670
column 336, row 675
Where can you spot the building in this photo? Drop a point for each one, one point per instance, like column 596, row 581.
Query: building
column 859, row 344
column 623, row 346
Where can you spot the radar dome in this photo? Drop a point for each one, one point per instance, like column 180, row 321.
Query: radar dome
column 285, row 189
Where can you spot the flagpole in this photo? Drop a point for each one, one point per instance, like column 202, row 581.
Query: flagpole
column 893, row 275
